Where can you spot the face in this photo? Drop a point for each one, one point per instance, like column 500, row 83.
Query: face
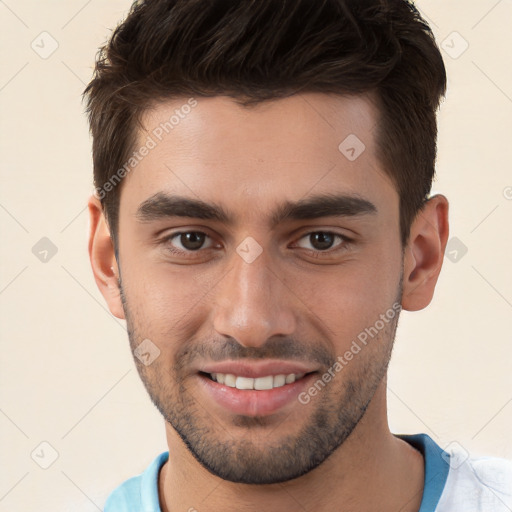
column 252, row 248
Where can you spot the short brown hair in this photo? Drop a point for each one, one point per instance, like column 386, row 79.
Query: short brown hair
column 254, row 51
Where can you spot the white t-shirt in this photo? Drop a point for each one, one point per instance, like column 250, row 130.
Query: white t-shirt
column 476, row 484
column 457, row 482
column 454, row 482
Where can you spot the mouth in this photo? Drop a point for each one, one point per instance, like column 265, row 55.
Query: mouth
column 254, row 396
column 263, row 383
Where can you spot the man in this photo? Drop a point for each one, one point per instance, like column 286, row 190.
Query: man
column 261, row 216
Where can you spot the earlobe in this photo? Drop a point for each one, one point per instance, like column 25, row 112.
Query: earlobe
column 424, row 253
column 102, row 258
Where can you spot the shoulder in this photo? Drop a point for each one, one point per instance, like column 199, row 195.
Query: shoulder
column 139, row 493
column 477, row 483
column 126, row 497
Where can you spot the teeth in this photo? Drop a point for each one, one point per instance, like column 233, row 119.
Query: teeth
column 279, row 380
column 244, row 383
column 264, row 383
column 290, row 379
column 230, row 380
column 260, row 383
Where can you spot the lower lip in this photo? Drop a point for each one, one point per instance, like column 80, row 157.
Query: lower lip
column 252, row 402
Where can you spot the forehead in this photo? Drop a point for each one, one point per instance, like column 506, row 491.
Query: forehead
column 214, row 149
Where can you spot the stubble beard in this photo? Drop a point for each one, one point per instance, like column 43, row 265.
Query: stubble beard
column 337, row 411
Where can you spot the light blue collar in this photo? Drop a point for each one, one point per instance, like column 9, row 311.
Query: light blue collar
column 436, row 468
column 436, row 473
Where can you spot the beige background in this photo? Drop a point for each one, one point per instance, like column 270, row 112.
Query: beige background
column 67, row 377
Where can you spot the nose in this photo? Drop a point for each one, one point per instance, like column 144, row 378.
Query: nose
column 253, row 303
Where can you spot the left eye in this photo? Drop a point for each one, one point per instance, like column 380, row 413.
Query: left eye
column 321, row 240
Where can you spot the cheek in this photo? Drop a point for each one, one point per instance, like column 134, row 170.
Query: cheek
column 160, row 301
column 351, row 298
column 162, row 288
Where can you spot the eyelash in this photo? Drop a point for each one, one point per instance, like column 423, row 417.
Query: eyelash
column 345, row 242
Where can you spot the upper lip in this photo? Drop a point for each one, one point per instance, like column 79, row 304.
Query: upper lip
column 255, row 369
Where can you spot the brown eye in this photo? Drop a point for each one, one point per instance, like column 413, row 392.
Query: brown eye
column 321, row 240
column 192, row 241
column 188, row 241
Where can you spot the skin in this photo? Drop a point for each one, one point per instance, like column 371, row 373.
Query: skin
column 286, row 304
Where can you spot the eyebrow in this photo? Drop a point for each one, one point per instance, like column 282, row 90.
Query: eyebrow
column 161, row 206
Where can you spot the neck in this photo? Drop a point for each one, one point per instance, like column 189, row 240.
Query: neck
column 371, row 470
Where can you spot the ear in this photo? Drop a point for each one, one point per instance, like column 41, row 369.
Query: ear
column 103, row 260
column 424, row 253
